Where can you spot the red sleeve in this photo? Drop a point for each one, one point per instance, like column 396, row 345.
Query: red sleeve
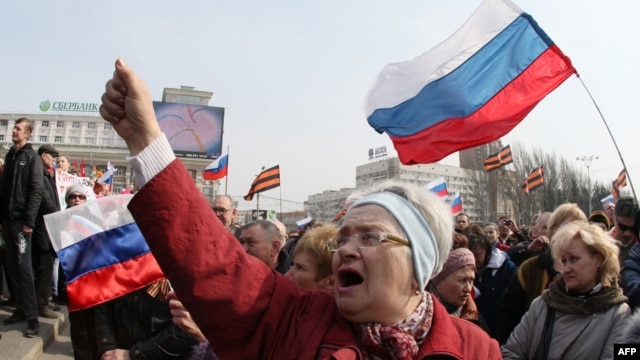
column 225, row 290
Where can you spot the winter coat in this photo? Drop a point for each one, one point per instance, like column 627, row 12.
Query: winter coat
column 143, row 325
column 26, row 191
column 49, row 204
column 491, row 283
column 583, row 328
column 244, row 308
column 631, row 276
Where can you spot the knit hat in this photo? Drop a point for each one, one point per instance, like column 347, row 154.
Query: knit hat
column 599, row 216
column 457, row 258
column 76, row 188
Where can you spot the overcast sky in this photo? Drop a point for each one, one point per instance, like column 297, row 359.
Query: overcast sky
column 292, row 75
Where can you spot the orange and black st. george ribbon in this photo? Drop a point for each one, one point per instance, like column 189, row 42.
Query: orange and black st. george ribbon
column 268, row 179
column 499, row 159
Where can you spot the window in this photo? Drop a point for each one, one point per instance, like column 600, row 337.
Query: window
column 193, row 174
column 74, row 140
column 107, row 127
column 43, row 139
column 106, row 141
column 91, row 125
column 57, row 139
column 90, row 141
column 4, row 123
column 120, row 171
column 75, row 125
column 60, row 124
column 1, row 137
column 45, row 123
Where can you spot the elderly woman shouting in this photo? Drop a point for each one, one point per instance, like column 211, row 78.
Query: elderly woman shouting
column 392, row 241
column 582, row 314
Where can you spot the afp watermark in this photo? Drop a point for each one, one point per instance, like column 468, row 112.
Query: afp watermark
column 626, row 351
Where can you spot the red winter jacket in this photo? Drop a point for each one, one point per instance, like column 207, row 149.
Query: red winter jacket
column 245, row 309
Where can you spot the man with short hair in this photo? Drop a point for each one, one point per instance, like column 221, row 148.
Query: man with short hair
column 624, row 221
column 42, row 252
column 20, row 197
column 225, row 211
column 263, row 240
column 462, row 222
column 529, row 248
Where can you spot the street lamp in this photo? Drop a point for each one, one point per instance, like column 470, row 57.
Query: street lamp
column 587, row 162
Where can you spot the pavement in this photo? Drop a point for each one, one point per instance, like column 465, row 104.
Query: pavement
column 52, row 343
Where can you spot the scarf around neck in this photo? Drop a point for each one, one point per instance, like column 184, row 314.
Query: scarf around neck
column 559, row 299
column 398, row 341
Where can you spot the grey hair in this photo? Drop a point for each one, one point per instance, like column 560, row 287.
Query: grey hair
column 434, row 210
column 268, row 228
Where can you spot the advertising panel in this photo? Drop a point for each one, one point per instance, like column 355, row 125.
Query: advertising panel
column 194, row 131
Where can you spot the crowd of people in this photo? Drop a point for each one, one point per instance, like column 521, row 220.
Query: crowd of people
column 399, row 278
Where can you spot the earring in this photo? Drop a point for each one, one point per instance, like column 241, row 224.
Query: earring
column 417, row 292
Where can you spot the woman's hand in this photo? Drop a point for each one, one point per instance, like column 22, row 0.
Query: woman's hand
column 127, row 105
column 182, row 318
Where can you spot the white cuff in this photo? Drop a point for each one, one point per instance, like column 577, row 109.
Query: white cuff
column 151, row 160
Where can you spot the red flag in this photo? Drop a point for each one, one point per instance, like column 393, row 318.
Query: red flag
column 82, row 168
column 75, row 164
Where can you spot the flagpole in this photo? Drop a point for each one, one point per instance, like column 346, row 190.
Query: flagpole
column 280, row 202
column 610, row 134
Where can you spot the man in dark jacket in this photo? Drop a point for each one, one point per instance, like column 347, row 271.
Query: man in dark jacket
column 20, row 196
column 42, row 253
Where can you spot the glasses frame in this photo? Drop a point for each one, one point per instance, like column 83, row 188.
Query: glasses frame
column 384, row 237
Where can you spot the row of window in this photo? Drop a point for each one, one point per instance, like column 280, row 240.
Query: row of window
column 74, row 140
column 61, row 124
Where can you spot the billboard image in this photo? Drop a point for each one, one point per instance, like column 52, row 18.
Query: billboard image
column 194, row 131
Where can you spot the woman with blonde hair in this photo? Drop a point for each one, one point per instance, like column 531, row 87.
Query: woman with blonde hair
column 312, row 259
column 585, row 309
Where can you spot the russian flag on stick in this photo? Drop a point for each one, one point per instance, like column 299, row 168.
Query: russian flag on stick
column 456, row 203
column 101, row 250
column 471, row 89
column 217, row 169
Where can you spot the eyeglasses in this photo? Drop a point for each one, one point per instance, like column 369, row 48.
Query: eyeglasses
column 623, row 227
column 220, row 210
column 365, row 240
column 77, row 196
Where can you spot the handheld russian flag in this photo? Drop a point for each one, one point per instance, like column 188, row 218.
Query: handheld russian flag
column 438, row 186
column 609, row 198
column 107, row 176
column 471, row 89
column 217, row 169
column 102, row 252
column 456, row 203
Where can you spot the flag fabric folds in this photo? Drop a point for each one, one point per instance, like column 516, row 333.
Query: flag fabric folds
column 456, row 203
column 304, row 222
column 621, row 180
column 217, row 169
column 618, row 183
column 107, row 176
column 609, row 198
column 339, row 215
column 499, row 159
column 534, row 180
column 471, row 89
column 82, row 172
column 102, row 252
column 268, row 179
column 438, row 186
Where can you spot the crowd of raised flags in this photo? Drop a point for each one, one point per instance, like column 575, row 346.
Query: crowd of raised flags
column 496, row 68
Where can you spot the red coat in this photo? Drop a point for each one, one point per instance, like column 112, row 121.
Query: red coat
column 245, row 309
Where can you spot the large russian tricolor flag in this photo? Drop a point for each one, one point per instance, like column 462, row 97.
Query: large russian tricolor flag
column 456, row 204
column 471, row 89
column 101, row 250
column 217, row 169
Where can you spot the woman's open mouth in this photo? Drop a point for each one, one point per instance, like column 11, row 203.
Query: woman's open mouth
column 348, row 278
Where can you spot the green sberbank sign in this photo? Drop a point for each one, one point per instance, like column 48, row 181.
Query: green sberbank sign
column 69, row 106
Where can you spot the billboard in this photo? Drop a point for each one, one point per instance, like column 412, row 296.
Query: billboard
column 194, row 131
